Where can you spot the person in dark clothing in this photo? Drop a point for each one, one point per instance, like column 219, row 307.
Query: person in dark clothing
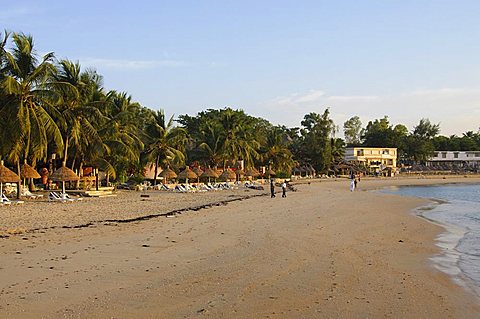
column 284, row 189
column 272, row 189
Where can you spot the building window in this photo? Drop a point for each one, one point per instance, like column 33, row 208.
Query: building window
column 385, row 152
column 455, row 155
column 444, row 155
column 435, row 154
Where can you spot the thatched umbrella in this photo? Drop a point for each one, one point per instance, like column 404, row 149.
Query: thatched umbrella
column 210, row 173
column 7, row 176
column 64, row 174
column 269, row 173
column 197, row 170
column 167, row 174
column 296, row 170
column 252, row 172
column 26, row 171
column 228, row 174
column 239, row 172
column 187, row 173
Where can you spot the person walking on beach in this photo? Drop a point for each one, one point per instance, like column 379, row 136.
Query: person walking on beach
column 284, row 189
column 355, row 182
column 272, row 189
column 352, row 185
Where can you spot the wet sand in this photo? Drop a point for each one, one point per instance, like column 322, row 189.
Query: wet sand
column 322, row 252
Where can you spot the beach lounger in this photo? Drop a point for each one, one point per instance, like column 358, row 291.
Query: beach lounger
column 56, row 197
column 7, row 201
column 26, row 193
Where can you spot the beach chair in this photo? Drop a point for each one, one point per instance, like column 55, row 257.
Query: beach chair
column 180, row 188
column 56, row 197
column 28, row 194
column 7, row 201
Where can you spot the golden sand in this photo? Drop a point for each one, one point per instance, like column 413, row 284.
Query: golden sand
column 322, row 252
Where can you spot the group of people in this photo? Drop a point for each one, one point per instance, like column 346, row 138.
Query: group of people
column 272, row 188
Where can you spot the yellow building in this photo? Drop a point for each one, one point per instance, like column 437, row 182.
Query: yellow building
column 377, row 159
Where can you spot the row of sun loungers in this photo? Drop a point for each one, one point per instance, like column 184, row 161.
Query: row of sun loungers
column 190, row 188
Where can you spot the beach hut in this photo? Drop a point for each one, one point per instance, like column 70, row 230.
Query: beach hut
column 7, row 176
column 64, row 174
column 187, row 174
column 167, row 174
column 210, row 173
column 228, row 174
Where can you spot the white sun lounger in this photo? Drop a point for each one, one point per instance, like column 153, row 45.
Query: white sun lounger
column 57, row 197
column 7, row 201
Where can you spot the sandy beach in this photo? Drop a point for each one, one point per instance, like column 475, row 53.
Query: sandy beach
column 322, row 252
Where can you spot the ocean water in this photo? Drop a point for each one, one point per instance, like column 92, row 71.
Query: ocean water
column 457, row 208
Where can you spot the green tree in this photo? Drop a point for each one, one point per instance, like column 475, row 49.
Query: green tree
column 275, row 151
column 316, row 133
column 164, row 143
column 27, row 125
column 352, row 131
column 76, row 115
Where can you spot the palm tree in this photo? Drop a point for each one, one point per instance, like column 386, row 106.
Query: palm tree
column 120, row 134
column 239, row 139
column 165, row 142
column 72, row 94
column 26, row 114
column 275, row 152
column 211, row 142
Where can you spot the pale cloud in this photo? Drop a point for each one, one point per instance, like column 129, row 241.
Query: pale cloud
column 123, row 64
column 296, row 100
column 352, row 98
column 456, row 109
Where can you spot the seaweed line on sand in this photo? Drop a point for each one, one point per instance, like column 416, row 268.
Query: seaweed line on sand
column 107, row 222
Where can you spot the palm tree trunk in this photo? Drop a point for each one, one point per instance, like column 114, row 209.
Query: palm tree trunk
column 19, row 183
column 65, row 151
column 79, row 170
column 155, row 171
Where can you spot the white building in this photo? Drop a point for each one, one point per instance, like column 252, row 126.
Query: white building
column 445, row 159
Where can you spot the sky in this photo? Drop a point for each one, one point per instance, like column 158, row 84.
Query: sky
column 407, row 59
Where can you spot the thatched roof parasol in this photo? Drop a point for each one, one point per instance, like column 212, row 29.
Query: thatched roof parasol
column 7, row 176
column 168, row 173
column 26, row 171
column 269, row 173
column 187, row 173
column 252, row 172
column 64, row 174
column 228, row 174
column 197, row 170
column 210, row 173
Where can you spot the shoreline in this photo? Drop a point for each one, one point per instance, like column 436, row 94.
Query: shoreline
column 449, row 257
column 322, row 251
